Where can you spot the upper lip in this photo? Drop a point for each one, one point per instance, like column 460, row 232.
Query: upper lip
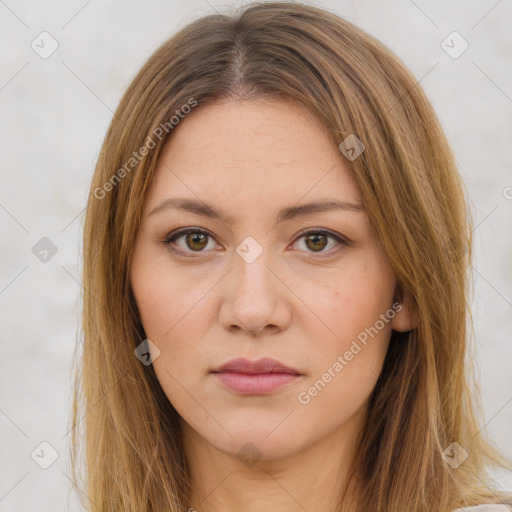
column 263, row 365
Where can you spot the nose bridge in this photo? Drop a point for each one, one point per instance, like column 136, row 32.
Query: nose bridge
column 251, row 267
column 250, row 250
column 253, row 300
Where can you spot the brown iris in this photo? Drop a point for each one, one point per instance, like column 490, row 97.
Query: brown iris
column 318, row 240
column 196, row 241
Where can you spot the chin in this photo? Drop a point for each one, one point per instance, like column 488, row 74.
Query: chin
column 259, row 442
column 258, row 449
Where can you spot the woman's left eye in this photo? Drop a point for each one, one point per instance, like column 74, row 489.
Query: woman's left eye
column 196, row 240
column 317, row 240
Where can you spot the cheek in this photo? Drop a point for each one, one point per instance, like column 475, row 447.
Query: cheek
column 347, row 363
column 167, row 303
column 354, row 349
column 353, row 303
column 174, row 315
column 174, row 319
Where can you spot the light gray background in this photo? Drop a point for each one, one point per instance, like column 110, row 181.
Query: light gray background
column 55, row 112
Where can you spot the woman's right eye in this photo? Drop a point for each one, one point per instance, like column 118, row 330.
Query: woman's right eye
column 192, row 240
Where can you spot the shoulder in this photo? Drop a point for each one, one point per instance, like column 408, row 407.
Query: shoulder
column 485, row 508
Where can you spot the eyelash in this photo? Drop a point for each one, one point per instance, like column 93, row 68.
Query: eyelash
column 172, row 237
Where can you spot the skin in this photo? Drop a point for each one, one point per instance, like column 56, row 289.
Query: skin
column 248, row 160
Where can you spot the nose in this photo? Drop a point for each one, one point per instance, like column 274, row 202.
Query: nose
column 255, row 298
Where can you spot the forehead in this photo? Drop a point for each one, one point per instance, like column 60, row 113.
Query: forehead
column 254, row 154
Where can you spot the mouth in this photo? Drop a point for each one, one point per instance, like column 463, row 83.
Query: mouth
column 255, row 377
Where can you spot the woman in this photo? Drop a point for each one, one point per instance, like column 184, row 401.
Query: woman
column 276, row 256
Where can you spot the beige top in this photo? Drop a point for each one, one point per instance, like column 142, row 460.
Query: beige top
column 485, row 508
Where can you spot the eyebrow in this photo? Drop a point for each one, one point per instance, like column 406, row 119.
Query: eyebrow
column 291, row 212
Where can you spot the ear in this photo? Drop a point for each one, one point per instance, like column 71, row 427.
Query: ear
column 406, row 317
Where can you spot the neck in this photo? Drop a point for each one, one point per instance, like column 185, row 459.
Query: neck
column 310, row 479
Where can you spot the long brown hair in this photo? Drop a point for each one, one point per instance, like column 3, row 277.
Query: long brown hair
column 425, row 398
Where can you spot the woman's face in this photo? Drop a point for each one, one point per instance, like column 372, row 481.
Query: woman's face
column 254, row 281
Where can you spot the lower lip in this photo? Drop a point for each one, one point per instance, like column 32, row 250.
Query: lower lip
column 254, row 384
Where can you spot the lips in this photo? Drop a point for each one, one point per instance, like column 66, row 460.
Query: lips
column 255, row 377
column 264, row 365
